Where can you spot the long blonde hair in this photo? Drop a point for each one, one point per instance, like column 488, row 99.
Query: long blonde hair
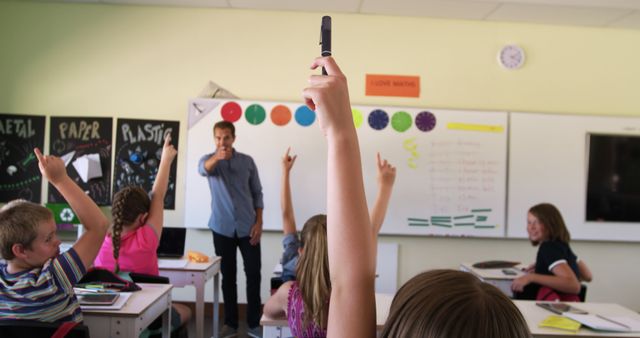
column 312, row 271
column 128, row 204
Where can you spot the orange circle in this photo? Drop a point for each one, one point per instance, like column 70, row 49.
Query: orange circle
column 280, row 115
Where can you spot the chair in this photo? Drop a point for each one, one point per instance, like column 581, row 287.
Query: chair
column 275, row 284
column 583, row 293
column 35, row 329
column 145, row 278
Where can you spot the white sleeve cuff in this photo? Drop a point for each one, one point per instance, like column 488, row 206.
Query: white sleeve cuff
column 554, row 264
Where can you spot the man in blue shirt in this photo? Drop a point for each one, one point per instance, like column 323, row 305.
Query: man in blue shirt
column 236, row 222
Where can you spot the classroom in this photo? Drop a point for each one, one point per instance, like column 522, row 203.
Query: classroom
column 147, row 62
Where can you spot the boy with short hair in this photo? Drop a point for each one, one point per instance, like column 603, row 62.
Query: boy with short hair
column 36, row 281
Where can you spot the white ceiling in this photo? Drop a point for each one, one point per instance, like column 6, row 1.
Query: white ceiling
column 598, row 13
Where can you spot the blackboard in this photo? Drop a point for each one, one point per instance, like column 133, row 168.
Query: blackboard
column 74, row 138
column 548, row 157
column 137, row 155
column 20, row 176
column 451, row 164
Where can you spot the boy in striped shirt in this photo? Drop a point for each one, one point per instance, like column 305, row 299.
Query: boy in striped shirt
column 36, row 281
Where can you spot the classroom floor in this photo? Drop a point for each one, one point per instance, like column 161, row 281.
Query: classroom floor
column 208, row 324
column 208, row 329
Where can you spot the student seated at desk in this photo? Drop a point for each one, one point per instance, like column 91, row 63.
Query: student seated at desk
column 452, row 303
column 36, row 282
column 305, row 301
column 557, row 272
column 137, row 226
column 352, row 254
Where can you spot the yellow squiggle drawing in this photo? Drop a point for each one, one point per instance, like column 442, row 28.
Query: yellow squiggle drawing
column 411, row 146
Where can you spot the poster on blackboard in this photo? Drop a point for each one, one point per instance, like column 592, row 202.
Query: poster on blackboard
column 84, row 144
column 20, row 176
column 137, row 157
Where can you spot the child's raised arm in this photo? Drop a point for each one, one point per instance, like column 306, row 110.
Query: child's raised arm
column 95, row 223
column 159, row 190
column 288, row 218
column 386, row 178
column 352, row 310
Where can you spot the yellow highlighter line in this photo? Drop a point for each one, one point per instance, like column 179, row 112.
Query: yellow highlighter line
column 475, row 127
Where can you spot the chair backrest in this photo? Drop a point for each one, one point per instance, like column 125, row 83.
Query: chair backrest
column 146, row 278
column 35, row 329
column 583, row 293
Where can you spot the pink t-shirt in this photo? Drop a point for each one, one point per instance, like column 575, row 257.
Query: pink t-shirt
column 137, row 252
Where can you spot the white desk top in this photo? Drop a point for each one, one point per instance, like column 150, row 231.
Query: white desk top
column 192, row 266
column 137, row 303
column 535, row 314
column 383, row 303
column 496, row 274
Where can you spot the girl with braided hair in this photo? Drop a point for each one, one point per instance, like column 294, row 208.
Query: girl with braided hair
column 134, row 236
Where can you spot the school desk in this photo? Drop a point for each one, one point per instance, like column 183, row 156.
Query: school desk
column 495, row 277
column 535, row 314
column 279, row 328
column 140, row 310
column 197, row 274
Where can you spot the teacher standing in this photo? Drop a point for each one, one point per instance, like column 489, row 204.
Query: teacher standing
column 236, row 222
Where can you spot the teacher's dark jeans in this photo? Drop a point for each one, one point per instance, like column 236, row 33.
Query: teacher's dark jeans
column 227, row 249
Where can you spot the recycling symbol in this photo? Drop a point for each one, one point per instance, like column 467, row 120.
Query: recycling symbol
column 66, row 215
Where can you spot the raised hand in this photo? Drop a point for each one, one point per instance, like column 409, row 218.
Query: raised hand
column 51, row 167
column 386, row 172
column 288, row 161
column 328, row 95
column 169, row 152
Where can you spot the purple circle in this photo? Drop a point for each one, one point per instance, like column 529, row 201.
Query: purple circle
column 425, row 121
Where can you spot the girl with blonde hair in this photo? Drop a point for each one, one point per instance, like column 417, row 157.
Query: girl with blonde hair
column 305, row 300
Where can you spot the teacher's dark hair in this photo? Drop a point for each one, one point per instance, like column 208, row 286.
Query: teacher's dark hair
column 225, row 125
column 450, row 303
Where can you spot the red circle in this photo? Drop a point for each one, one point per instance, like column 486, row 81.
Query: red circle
column 280, row 115
column 231, row 112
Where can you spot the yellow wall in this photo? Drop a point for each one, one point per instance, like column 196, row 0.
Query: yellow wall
column 146, row 62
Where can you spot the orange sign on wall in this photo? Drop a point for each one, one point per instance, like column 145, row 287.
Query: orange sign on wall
column 392, row 85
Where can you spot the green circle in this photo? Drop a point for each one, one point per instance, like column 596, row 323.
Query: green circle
column 255, row 114
column 357, row 117
column 401, row 121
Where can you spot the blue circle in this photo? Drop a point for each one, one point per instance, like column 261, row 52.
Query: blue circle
column 378, row 119
column 305, row 116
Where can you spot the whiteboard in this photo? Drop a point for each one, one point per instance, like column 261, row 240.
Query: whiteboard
column 548, row 159
column 451, row 179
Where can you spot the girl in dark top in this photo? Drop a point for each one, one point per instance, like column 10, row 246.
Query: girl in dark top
column 557, row 272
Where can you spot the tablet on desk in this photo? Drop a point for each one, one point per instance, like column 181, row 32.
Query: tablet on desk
column 561, row 308
column 105, row 299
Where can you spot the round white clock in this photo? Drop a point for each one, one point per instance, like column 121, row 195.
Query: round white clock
column 511, row 57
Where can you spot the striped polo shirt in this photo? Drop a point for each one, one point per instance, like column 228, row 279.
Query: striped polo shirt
column 44, row 294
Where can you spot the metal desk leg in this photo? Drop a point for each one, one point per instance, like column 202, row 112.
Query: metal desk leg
column 216, row 303
column 199, row 283
column 166, row 322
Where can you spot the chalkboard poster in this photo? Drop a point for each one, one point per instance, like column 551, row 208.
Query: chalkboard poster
column 20, row 176
column 138, row 150
column 84, row 144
